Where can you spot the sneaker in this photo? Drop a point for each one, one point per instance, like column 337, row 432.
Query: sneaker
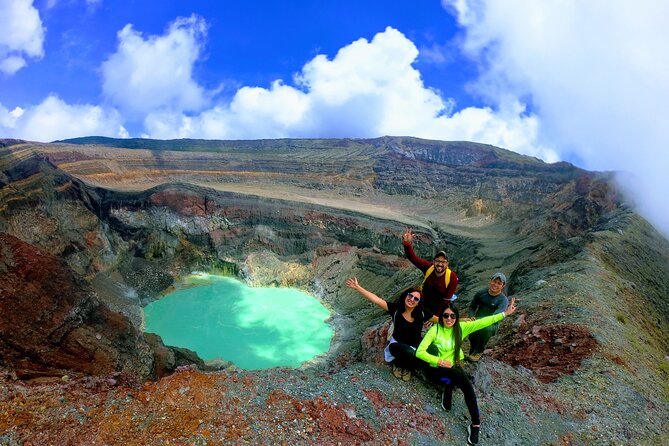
column 474, row 357
column 406, row 375
column 473, row 434
column 446, row 398
column 397, row 372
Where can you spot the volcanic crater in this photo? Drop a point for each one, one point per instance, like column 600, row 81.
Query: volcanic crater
column 92, row 229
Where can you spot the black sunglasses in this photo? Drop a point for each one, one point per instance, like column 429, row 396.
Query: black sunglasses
column 449, row 315
column 414, row 297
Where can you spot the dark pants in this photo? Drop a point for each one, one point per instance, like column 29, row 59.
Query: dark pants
column 456, row 377
column 405, row 356
column 480, row 338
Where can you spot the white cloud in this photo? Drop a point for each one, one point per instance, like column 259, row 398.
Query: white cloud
column 7, row 118
column 12, row 64
column 21, row 34
column 54, row 119
column 369, row 88
column 156, row 73
column 596, row 73
column 435, row 54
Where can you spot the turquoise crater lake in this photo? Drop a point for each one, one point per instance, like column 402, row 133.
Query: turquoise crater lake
column 254, row 328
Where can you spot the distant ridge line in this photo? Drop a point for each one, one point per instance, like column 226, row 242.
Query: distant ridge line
column 433, row 151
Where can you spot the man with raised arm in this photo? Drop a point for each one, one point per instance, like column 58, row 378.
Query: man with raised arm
column 439, row 282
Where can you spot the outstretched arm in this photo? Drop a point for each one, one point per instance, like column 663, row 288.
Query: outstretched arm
column 470, row 327
column 373, row 298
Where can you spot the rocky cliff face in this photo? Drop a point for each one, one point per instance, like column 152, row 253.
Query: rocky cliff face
column 52, row 323
column 118, row 226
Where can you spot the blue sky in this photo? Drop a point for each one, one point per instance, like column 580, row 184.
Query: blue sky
column 568, row 80
column 247, row 43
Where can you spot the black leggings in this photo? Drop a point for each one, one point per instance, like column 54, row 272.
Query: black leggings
column 405, row 356
column 456, row 377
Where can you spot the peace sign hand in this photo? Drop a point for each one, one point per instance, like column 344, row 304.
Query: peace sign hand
column 511, row 308
column 407, row 237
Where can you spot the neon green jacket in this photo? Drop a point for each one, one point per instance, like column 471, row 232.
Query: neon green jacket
column 443, row 339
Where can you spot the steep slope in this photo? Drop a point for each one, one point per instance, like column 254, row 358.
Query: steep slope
column 51, row 323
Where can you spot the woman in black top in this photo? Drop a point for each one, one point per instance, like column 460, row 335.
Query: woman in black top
column 408, row 318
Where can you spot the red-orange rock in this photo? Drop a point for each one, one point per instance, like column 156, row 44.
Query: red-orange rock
column 51, row 321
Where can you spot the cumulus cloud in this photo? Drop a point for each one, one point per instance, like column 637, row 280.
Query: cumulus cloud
column 21, row 35
column 368, row 89
column 54, row 119
column 156, row 73
column 596, row 75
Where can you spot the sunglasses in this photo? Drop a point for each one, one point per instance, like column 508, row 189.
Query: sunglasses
column 449, row 315
column 414, row 297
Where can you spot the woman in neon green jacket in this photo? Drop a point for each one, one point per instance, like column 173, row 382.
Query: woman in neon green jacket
column 447, row 336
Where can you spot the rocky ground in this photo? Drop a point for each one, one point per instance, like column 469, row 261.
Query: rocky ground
column 527, row 400
column 359, row 404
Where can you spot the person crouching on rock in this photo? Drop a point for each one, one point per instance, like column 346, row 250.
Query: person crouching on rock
column 446, row 366
column 487, row 302
column 408, row 318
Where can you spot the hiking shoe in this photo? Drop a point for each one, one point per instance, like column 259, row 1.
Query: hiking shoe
column 446, row 398
column 397, row 372
column 473, row 434
column 474, row 357
column 406, row 375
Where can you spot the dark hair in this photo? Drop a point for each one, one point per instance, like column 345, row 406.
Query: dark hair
column 457, row 330
column 401, row 300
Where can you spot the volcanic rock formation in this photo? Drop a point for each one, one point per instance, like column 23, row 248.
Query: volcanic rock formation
column 51, row 323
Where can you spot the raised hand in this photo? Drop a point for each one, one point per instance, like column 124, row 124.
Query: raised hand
column 352, row 283
column 407, row 237
column 511, row 308
column 373, row 298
